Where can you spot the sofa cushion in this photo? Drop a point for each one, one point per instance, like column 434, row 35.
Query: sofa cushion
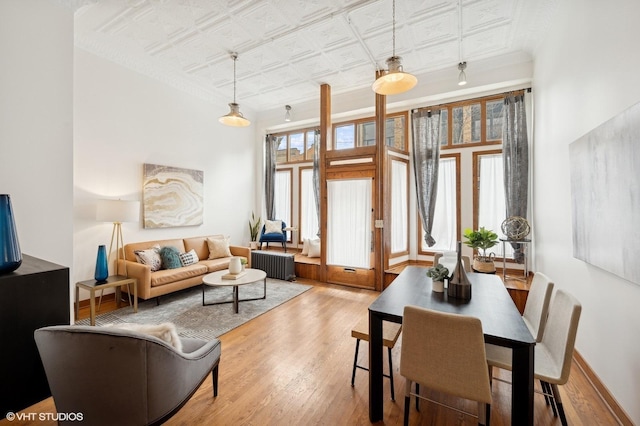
column 216, row 264
column 170, row 257
column 189, row 258
column 150, row 257
column 167, row 276
column 199, row 244
column 218, row 247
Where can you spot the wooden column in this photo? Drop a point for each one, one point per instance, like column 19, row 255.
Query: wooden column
column 325, row 137
column 379, row 246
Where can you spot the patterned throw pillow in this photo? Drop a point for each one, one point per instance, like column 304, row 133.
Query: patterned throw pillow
column 273, row 227
column 150, row 257
column 218, row 247
column 189, row 258
column 170, row 257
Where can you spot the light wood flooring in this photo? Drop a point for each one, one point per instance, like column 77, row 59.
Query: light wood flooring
column 292, row 366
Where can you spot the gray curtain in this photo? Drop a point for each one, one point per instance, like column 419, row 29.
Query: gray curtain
column 270, row 151
column 316, row 174
column 426, row 157
column 515, row 160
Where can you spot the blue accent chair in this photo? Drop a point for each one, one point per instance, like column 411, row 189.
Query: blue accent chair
column 274, row 237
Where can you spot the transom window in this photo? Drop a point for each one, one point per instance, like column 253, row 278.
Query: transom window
column 360, row 133
column 295, row 146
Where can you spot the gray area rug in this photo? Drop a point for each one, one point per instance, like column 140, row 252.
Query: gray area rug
column 185, row 310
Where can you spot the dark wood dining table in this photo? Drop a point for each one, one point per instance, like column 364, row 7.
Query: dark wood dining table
column 502, row 325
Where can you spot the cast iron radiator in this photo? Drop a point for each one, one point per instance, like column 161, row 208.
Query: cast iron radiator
column 277, row 265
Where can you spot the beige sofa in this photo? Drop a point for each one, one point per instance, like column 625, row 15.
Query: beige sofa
column 164, row 281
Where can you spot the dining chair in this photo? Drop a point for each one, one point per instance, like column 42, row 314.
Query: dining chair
column 445, row 352
column 390, row 333
column 554, row 352
column 466, row 261
column 537, row 307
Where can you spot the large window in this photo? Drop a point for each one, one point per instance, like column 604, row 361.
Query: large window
column 295, row 146
column 308, row 212
column 399, row 207
column 470, row 139
column 282, row 196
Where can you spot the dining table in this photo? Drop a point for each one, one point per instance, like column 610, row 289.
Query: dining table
column 490, row 301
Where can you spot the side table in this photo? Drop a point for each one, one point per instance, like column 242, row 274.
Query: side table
column 116, row 281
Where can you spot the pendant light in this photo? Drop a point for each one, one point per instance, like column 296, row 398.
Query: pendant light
column 234, row 117
column 287, row 114
column 462, row 78
column 394, row 80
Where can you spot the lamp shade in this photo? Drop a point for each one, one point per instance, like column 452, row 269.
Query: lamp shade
column 234, row 118
column 394, row 80
column 118, row 211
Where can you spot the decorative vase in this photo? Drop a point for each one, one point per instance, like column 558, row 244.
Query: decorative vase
column 10, row 254
column 459, row 284
column 235, row 266
column 438, row 286
column 102, row 267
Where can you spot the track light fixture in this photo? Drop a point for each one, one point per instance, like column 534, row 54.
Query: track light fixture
column 234, row 117
column 394, row 80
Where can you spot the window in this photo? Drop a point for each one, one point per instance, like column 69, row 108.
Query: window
column 295, row 146
column 399, row 206
column 308, row 212
column 282, row 195
column 360, row 133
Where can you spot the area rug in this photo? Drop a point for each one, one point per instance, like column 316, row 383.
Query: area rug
column 185, row 310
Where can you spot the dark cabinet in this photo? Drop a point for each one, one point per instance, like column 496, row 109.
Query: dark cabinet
column 33, row 296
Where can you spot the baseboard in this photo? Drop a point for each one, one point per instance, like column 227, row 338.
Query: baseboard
column 615, row 408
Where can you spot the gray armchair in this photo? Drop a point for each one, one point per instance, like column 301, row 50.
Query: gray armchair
column 114, row 376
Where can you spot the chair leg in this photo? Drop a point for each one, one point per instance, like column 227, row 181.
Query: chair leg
column 355, row 360
column 558, row 401
column 393, row 395
column 214, row 377
column 546, row 388
column 417, row 399
column 284, row 246
column 407, row 403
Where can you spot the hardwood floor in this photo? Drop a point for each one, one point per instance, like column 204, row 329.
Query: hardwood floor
column 292, row 366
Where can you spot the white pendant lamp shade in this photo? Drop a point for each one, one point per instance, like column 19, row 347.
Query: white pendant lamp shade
column 462, row 78
column 234, row 118
column 394, row 80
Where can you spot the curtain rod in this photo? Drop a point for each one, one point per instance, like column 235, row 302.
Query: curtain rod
column 527, row 89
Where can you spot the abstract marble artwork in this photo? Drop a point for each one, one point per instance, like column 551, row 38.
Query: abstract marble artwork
column 605, row 193
column 172, row 196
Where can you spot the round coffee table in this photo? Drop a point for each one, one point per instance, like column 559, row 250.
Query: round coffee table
column 251, row 276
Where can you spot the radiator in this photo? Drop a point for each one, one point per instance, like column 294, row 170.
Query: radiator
column 277, row 265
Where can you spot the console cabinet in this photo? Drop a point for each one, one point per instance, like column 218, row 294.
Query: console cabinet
column 33, row 296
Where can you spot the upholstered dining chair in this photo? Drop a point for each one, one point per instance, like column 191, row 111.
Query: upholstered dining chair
column 554, row 352
column 268, row 235
column 390, row 333
column 466, row 261
column 444, row 352
column 115, row 376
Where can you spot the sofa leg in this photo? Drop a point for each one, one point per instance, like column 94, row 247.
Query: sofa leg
column 158, row 301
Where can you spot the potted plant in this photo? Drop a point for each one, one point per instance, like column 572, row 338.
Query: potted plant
column 438, row 274
column 254, row 229
column 481, row 240
column 244, row 262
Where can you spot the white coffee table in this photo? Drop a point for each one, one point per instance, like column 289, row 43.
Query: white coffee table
column 251, row 276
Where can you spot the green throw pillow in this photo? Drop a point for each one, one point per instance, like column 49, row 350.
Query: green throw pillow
column 170, row 257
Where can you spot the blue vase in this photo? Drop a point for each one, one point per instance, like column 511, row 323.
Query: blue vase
column 10, row 254
column 102, row 266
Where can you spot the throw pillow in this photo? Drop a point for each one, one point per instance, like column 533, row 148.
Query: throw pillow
column 189, row 258
column 314, row 248
column 305, row 247
column 273, row 227
column 150, row 257
column 170, row 257
column 218, row 247
column 166, row 332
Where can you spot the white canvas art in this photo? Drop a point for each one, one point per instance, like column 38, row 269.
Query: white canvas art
column 605, row 191
column 172, row 196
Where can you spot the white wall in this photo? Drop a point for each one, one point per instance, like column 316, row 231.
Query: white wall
column 36, row 113
column 585, row 74
column 122, row 120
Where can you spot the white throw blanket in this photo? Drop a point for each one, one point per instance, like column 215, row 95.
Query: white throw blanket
column 166, row 332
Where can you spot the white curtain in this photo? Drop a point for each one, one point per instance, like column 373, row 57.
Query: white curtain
column 445, row 217
column 349, row 222
column 491, row 208
column 282, row 199
column 308, row 212
column 399, row 206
